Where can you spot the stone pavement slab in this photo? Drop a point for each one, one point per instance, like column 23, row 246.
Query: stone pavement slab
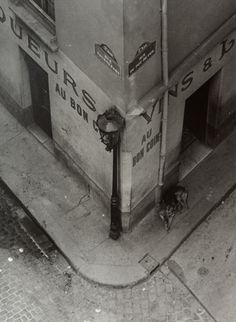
column 30, row 170
column 9, row 127
column 206, row 262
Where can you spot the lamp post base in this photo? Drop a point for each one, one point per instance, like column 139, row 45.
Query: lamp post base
column 116, row 226
column 114, row 234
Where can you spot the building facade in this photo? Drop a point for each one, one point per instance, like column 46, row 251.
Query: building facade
column 170, row 72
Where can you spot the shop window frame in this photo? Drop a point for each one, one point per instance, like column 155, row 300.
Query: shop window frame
column 42, row 9
column 39, row 14
column 38, row 22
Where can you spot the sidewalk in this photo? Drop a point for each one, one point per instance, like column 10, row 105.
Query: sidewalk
column 64, row 207
column 210, row 273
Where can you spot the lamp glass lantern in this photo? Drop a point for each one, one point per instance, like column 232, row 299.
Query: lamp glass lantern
column 110, row 125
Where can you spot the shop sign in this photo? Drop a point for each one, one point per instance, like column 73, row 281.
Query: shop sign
column 148, row 142
column 33, row 46
column 148, row 117
column 67, row 87
column 209, row 63
column 76, row 105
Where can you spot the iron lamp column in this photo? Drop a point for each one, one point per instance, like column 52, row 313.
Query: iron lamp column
column 110, row 125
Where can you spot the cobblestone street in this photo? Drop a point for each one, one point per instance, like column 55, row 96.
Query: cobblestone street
column 35, row 288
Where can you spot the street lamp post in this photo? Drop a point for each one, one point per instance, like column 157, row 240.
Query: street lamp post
column 110, row 125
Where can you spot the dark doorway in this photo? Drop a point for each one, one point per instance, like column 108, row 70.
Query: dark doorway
column 201, row 113
column 196, row 108
column 40, row 95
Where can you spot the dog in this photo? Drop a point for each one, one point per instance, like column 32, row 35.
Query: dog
column 174, row 200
